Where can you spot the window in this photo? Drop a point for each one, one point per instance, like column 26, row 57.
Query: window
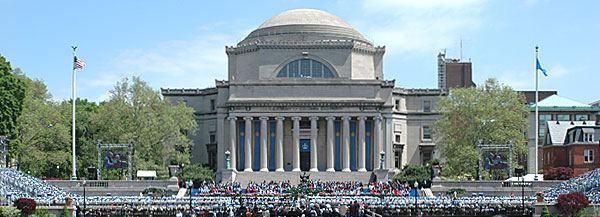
column 426, row 157
column 426, row 106
column 397, row 163
column 544, row 119
column 426, row 132
column 542, row 132
column 570, row 158
column 397, row 138
column 581, row 117
column 304, row 124
column 212, row 138
column 588, row 137
column 398, row 104
column 562, row 117
column 588, row 156
column 305, row 68
column 212, row 104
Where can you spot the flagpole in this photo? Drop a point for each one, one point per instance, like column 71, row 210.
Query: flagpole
column 537, row 117
column 74, row 175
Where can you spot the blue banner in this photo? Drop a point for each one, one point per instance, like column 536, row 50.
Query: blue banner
column 256, row 145
column 272, row 128
column 305, row 145
column 337, row 146
column 353, row 145
column 368, row 136
column 242, row 131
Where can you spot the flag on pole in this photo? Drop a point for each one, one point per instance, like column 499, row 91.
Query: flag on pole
column 78, row 64
column 539, row 66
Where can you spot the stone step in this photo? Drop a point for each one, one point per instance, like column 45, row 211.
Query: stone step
column 294, row 177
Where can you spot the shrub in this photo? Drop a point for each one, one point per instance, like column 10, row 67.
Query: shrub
column 196, row 173
column 42, row 213
column 9, row 211
column 570, row 204
column 26, row 205
column 65, row 212
column 558, row 173
column 155, row 191
column 412, row 173
column 545, row 212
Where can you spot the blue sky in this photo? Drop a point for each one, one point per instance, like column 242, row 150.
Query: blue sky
column 181, row 44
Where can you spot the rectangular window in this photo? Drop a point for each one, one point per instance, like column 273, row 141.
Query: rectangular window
column 293, row 69
column 562, row 117
column 588, row 137
column 570, row 158
column 304, row 124
column 588, row 156
column 304, row 68
column 426, row 106
column 397, row 138
column 426, row 157
column 544, row 119
column 212, row 104
column 397, row 104
column 547, row 157
column 581, row 117
column 426, row 132
column 212, row 138
column 542, row 132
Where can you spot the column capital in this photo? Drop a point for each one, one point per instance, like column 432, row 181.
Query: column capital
column 280, row 118
column 330, row 118
column 362, row 118
column 248, row 118
column 313, row 118
column 263, row 118
column 378, row 117
column 296, row 118
column 345, row 118
column 232, row 118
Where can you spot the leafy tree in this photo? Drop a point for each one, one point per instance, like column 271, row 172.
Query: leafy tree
column 158, row 128
column 12, row 93
column 26, row 205
column 197, row 173
column 412, row 173
column 572, row 203
column 45, row 132
column 492, row 112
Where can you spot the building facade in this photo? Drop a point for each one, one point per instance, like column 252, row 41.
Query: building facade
column 572, row 144
column 306, row 92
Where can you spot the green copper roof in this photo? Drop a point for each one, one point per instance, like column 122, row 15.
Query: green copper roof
column 559, row 103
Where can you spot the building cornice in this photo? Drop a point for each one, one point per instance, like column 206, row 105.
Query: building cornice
column 188, row 91
column 356, row 46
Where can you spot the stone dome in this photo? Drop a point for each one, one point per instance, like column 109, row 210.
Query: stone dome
column 307, row 22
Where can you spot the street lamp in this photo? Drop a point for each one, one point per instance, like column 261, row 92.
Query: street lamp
column 84, row 198
column 520, row 171
column 416, row 192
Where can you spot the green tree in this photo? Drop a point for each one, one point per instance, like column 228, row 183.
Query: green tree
column 12, row 93
column 45, row 132
column 492, row 113
column 197, row 173
column 158, row 128
column 65, row 212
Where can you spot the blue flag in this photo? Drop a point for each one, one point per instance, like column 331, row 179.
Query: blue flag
column 539, row 66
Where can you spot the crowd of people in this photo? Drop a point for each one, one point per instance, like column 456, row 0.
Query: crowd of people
column 311, row 198
column 15, row 184
column 588, row 183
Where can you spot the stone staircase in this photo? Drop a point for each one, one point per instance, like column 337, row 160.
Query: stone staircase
column 294, row 177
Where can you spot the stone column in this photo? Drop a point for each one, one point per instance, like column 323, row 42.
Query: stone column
column 248, row 145
column 361, row 144
column 313, row 144
column 387, row 144
column 279, row 144
column 346, row 144
column 296, row 144
column 232, row 140
column 330, row 144
column 263, row 144
column 378, row 145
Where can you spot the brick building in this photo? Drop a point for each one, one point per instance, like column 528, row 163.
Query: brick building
column 572, row 144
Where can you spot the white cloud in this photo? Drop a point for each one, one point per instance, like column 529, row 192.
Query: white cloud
column 422, row 26
column 193, row 63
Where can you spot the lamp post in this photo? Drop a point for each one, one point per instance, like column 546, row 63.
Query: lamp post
column 227, row 160
column 84, row 197
column 416, row 192
column 520, row 171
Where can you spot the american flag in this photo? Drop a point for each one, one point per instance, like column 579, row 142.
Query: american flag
column 78, row 64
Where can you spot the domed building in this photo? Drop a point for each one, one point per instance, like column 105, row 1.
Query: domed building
column 306, row 92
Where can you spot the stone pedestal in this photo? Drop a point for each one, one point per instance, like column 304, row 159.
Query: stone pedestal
column 381, row 175
column 228, row 175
